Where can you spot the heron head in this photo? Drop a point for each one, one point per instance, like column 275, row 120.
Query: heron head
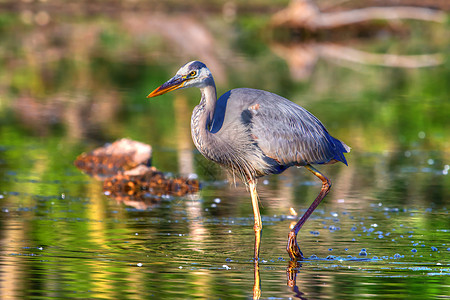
column 192, row 74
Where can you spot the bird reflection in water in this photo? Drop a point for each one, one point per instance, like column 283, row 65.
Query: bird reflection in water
column 257, row 282
column 291, row 275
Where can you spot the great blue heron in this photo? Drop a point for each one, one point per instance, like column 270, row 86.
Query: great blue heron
column 253, row 133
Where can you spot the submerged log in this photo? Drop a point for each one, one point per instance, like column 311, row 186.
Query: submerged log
column 147, row 183
column 305, row 14
column 124, row 168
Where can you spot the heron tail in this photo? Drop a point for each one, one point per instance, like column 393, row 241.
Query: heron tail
column 341, row 148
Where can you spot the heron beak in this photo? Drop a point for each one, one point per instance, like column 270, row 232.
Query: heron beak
column 174, row 83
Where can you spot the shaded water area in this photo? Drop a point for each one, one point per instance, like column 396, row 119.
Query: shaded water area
column 72, row 80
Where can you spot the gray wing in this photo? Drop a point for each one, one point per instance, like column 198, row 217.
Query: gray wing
column 285, row 131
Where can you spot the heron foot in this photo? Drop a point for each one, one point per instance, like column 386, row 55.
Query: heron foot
column 292, row 247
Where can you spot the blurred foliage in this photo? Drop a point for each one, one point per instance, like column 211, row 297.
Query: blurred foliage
column 45, row 62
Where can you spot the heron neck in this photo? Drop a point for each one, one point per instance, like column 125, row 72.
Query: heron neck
column 201, row 119
column 209, row 99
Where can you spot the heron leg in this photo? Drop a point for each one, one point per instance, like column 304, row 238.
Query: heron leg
column 257, row 217
column 292, row 246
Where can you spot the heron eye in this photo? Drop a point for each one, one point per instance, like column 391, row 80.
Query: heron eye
column 192, row 73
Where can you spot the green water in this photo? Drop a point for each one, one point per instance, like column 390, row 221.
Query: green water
column 80, row 80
